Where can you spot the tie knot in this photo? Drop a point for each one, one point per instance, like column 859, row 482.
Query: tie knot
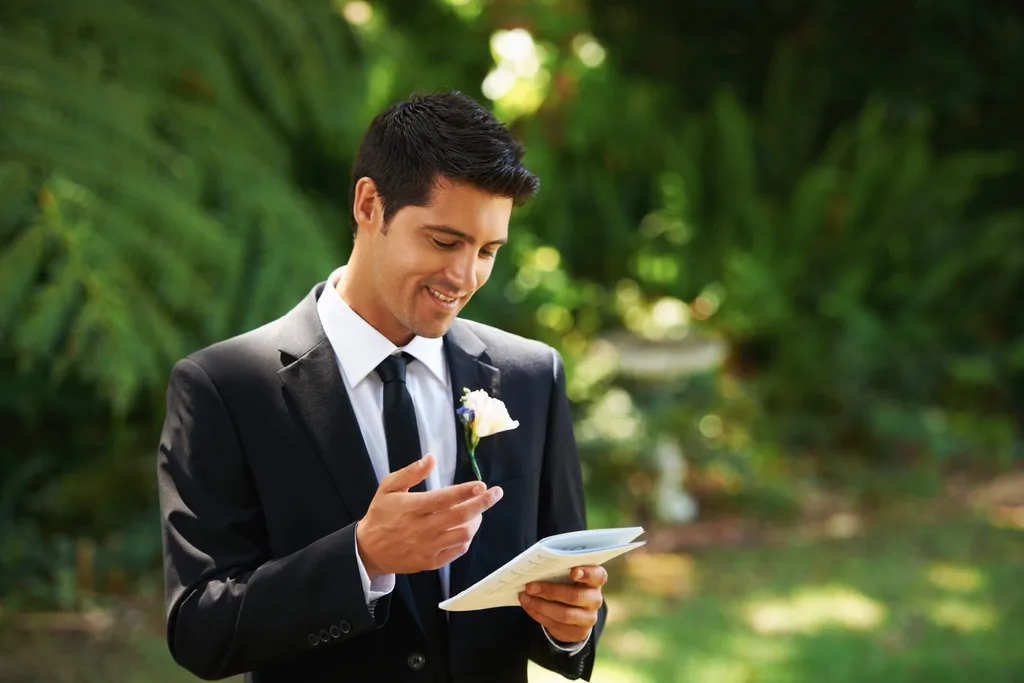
column 392, row 368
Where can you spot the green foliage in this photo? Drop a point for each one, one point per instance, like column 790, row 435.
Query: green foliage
column 170, row 174
column 956, row 62
column 859, row 277
column 160, row 196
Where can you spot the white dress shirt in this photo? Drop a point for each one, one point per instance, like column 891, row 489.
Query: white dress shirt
column 360, row 348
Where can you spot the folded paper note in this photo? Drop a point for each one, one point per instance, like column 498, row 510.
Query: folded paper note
column 549, row 559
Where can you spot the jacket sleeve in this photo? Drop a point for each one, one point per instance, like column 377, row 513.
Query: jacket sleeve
column 562, row 508
column 231, row 606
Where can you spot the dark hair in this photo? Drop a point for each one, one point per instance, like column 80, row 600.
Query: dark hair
column 416, row 144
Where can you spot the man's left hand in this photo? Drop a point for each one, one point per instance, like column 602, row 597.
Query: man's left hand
column 567, row 611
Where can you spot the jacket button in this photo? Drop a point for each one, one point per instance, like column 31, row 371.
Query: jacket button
column 335, row 631
column 313, row 640
column 324, row 635
column 416, row 661
column 345, row 626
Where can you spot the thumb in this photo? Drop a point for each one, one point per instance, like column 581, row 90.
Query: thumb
column 410, row 475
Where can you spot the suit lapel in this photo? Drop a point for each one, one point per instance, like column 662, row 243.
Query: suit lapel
column 465, row 353
column 314, row 384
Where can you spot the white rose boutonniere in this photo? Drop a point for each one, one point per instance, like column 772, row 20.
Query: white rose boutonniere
column 482, row 415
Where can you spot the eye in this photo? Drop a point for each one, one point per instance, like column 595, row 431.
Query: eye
column 488, row 253
column 443, row 245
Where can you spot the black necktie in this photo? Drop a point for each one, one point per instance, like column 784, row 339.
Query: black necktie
column 400, row 431
column 403, row 442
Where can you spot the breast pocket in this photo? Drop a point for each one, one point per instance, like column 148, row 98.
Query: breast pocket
column 510, row 455
column 510, row 526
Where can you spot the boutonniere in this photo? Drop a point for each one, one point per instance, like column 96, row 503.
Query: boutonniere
column 482, row 415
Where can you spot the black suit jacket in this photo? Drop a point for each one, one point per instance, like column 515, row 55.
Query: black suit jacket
column 263, row 474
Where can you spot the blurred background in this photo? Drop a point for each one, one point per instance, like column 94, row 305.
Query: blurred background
column 779, row 244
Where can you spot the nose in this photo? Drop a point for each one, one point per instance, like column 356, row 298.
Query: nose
column 461, row 272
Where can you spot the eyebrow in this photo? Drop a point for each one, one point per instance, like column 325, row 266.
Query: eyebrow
column 448, row 230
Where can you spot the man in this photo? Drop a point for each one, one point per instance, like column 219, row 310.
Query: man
column 317, row 498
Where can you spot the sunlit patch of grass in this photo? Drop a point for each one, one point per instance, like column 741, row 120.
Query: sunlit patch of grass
column 1007, row 517
column 634, row 644
column 814, row 608
column 661, row 574
column 629, row 606
column 955, row 578
column 962, row 616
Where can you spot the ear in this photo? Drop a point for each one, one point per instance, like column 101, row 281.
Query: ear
column 367, row 207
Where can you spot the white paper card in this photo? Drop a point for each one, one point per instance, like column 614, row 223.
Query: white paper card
column 549, row 559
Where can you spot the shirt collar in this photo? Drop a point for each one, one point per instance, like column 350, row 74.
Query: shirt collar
column 360, row 348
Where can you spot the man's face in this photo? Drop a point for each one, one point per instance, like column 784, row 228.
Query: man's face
column 430, row 260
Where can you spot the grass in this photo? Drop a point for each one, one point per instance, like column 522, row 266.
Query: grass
column 911, row 599
column 914, row 596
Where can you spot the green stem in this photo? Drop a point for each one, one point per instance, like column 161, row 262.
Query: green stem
column 471, row 449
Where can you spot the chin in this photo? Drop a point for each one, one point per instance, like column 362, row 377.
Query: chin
column 433, row 329
column 436, row 330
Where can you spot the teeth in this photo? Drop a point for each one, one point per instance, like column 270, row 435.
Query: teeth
column 442, row 297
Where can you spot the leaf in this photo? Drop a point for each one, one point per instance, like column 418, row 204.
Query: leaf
column 52, row 307
column 20, row 264
column 15, row 198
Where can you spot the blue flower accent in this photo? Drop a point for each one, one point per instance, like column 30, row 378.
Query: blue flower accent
column 466, row 416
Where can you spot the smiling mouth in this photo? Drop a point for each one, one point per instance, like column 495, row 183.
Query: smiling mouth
column 443, row 298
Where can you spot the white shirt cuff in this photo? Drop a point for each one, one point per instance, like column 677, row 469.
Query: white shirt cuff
column 379, row 587
column 571, row 648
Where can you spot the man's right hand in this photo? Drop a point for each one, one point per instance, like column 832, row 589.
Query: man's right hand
column 404, row 533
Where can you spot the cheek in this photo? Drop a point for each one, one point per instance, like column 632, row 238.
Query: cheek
column 483, row 271
column 400, row 276
column 410, row 266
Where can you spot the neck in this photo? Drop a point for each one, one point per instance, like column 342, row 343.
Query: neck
column 366, row 304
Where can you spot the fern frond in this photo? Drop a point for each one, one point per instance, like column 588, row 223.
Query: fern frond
column 148, row 198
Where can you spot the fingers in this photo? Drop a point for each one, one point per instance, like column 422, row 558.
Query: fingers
column 593, row 576
column 577, row 595
column 460, row 536
column 563, row 632
column 557, row 613
column 449, row 555
column 407, row 477
column 429, row 502
column 454, row 543
column 465, row 511
column 552, row 626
